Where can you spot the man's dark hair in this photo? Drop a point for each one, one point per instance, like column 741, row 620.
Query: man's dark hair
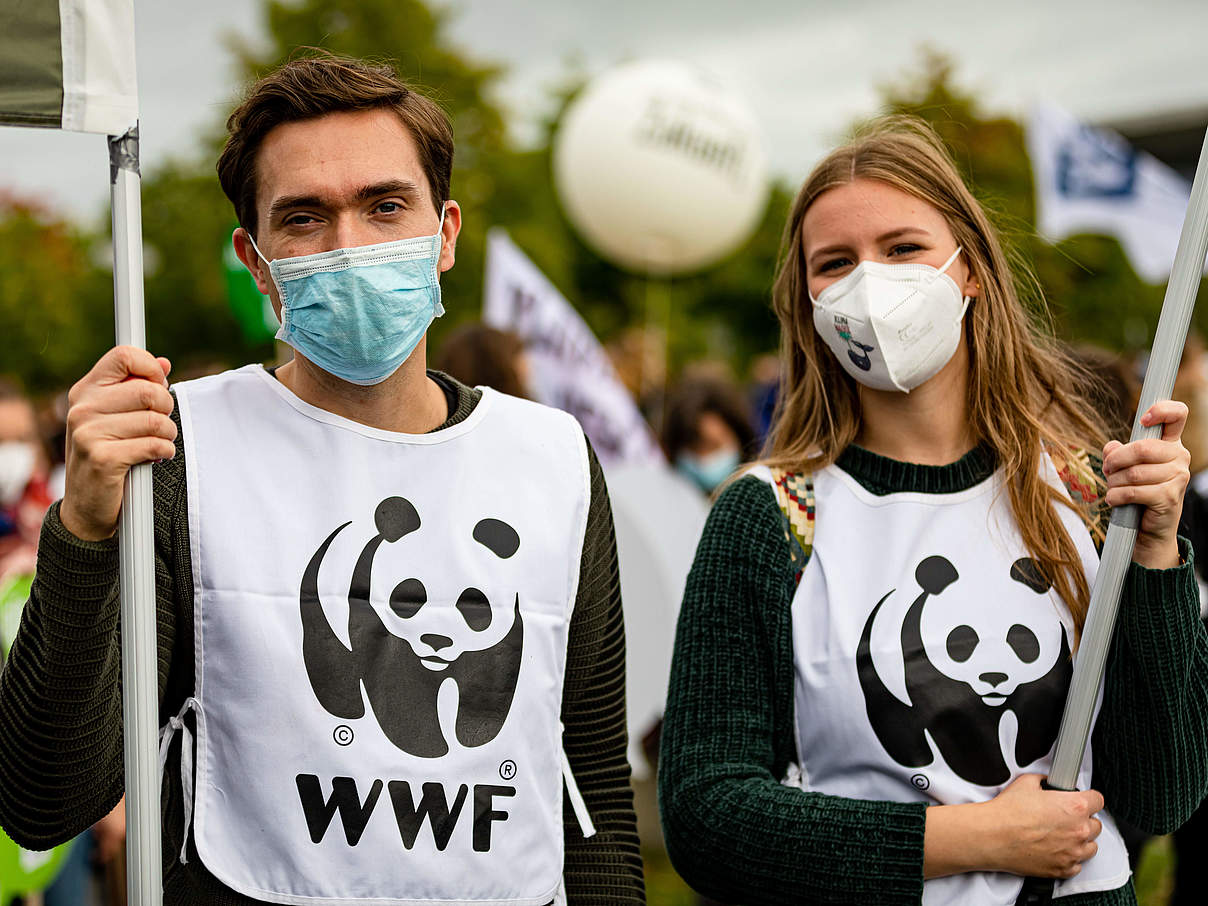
column 309, row 88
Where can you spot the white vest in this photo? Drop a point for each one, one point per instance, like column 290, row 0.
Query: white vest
column 930, row 663
column 381, row 627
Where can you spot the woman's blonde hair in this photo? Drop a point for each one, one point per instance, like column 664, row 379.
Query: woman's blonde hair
column 1025, row 396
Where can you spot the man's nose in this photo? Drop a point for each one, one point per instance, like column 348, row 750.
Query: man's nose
column 351, row 231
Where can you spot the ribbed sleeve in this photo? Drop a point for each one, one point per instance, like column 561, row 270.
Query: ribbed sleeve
column 732, row 830
column 1151, row 739
column 607, row 868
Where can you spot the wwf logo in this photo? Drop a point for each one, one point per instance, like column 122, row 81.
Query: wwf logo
column 402, row 669
column 1011, row 655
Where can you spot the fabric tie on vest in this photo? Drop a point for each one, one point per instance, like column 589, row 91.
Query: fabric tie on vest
column 576, row 799
column 186, row 763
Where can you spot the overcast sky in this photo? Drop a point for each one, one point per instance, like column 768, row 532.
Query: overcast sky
column 807, row 67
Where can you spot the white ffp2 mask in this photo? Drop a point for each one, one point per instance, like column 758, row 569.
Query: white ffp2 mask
column 892, row 326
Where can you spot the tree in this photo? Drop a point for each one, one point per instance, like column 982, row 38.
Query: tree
column 56, row 305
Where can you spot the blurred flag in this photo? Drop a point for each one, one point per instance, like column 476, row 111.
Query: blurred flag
column 68, row 64
column 251, row 308
column 568, row 367
column 1093, row 181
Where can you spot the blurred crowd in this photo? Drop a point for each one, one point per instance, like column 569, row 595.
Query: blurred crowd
column 708, row 422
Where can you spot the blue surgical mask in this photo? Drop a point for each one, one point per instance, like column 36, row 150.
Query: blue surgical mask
column 708, row 471
column 359, row 313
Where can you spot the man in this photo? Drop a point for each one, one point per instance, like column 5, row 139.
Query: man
column 366, row 571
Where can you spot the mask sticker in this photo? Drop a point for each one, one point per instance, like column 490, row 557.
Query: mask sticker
column 856, row 351
column 402, row 676
column 967, row 665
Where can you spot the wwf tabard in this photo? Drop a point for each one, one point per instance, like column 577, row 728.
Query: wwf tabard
column 932, row 660
column 381, row 628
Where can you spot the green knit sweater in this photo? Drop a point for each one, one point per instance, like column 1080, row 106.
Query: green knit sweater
column 61, row 709
column 737, row 834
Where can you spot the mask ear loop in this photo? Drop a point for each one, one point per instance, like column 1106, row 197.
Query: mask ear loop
column 948, row 263
column 440, row 238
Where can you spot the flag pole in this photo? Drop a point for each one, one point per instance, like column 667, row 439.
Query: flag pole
column 1091, row 659
column 140, row 657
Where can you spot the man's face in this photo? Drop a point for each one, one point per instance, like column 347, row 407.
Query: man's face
column 339, row 181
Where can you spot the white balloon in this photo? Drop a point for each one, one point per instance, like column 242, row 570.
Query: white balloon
column 660, row 167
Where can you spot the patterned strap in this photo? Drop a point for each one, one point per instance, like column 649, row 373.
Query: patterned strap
column 1078, row 476
column 795, row 496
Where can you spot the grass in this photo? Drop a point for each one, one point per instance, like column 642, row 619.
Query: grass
column 1155, row 873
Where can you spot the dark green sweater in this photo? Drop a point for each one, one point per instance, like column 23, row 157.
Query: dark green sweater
column 737, row 834
column 61, row 708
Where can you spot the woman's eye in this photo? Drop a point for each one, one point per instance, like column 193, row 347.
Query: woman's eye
column 905, row 248
column 833, row 264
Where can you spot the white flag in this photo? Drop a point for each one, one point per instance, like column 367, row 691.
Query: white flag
column 568, row 367
column 1093, row 181
column 68, row 64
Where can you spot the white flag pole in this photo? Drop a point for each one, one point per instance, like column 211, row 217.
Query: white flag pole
column 140, row 659
column 1091, row 659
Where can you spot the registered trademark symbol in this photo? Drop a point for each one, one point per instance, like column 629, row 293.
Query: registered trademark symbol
column 920, row 782
column 507, row 770
column 342, row 735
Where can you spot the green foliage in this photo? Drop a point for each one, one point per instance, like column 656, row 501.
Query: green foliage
column 187, row 223
column 56, row 306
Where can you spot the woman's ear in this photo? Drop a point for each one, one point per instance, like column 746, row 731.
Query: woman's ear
column 972, row 287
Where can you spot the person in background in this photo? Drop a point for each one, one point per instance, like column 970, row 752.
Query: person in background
column 483, row 356
column 707, row 432
column 24, row 494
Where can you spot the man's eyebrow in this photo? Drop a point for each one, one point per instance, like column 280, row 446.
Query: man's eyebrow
column 403, row 187
column 287, row 202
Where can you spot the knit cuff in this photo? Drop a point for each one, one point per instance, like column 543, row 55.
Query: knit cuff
column 75, row 579
column 1157, row 599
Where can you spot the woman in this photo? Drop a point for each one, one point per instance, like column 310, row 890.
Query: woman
column 873, row 649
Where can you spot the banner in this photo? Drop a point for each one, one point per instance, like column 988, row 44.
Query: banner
column 568, row 367
column 68, row 64
column 1093, row 181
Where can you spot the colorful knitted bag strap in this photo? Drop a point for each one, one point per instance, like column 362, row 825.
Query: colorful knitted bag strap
column 1078, row 475
column 795, row 496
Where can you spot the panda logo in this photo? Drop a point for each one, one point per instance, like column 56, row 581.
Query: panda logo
column 1016, row 659
column 402, row 676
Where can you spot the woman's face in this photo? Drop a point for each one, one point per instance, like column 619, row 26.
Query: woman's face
column 869, row 220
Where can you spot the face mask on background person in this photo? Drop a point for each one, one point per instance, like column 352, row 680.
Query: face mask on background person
column 18, row 459
column 892, row 326
column 359, row 313
column 710, row 470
